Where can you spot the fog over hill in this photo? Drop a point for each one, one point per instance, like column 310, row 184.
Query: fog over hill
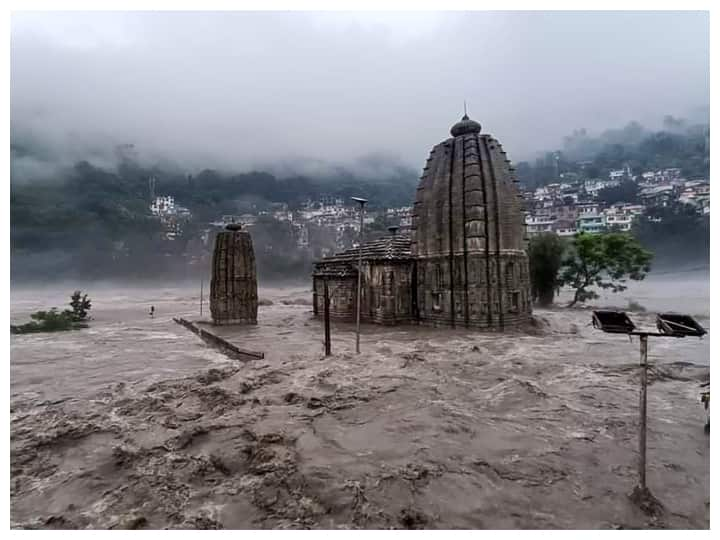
column 301, row 93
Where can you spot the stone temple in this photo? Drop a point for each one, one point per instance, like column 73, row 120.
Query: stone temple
column 464, row 264
column 233, row 285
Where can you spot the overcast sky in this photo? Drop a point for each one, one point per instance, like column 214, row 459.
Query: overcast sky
column 244, row 89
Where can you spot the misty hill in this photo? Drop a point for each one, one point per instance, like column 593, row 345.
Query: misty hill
column 93, row 220
column 88, row 219
column 678, row 144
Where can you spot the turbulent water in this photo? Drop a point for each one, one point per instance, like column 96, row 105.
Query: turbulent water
column 136, row 423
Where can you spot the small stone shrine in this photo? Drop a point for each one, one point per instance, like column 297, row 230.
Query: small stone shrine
column 233, row 285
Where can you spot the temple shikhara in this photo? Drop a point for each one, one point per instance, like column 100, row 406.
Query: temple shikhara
column 233, row 285
column 464, row 264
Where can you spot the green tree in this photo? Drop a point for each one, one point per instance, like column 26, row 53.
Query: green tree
column 605, row 261
column 545, row 252
column 626, row 192
column 80, row 304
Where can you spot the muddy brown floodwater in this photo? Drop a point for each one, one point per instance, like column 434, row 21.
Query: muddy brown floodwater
column 136, row 423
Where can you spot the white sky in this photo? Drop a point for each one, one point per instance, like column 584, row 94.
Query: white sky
column 244, row 89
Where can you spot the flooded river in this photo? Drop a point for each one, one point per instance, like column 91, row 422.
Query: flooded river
column 136, row 423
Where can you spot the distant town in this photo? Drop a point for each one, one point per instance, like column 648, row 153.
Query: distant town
column 573, row 205
column 334, row 216
column 138, row 220
column 568, row 207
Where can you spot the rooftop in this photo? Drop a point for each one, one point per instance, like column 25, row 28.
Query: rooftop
column 389, row 248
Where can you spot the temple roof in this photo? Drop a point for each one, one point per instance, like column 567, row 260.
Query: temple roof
column 467, row 201
column 387, row 248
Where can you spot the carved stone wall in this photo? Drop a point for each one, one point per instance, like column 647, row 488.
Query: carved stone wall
column 465, row 264
column 233, row 285
column 386, row 293
column 342, row 292
column 468, row 235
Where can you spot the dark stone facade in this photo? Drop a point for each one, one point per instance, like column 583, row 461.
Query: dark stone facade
column 465, row 263
column 386, row 282
column 233, row 285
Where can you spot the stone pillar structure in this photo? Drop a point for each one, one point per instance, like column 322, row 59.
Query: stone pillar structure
column 233, row 285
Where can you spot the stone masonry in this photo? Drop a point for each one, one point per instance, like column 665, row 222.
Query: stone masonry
column 465, row 263
column 233, row 286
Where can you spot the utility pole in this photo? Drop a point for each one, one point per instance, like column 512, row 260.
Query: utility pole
column 359, row 270
column 326, row 302
column 201, row 295
column 673, row 325
column 643, row 409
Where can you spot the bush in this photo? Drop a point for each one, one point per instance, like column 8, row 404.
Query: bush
column 57, row 321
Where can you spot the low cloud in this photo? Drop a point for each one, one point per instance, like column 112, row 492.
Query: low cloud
column 310, row 92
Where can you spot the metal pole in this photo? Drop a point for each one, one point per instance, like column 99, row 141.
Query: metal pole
column 358, row 299
column 326, row 301
column 643, row 408
column 201, row 296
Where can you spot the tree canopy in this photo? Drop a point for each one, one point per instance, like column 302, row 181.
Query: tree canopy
column 545, row 252
column 604, row 260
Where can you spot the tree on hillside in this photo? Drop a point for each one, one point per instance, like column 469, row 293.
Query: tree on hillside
column 545, row 252
column 605, row 261
column 627, row 192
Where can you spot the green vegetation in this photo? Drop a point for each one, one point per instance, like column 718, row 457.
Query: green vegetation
column 93, row 222
column 80, row 304
column 545, row 252
column 603, row 260
column 90, row 222
column 678, row 144
column 626, row 192
column 58, row 321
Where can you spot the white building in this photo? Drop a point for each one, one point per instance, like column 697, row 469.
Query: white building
column 619, row 174
column 619, row 221
column 594, row 186
column 536, row 224
column 566, row 231
column 163, row 206
column 588, row 208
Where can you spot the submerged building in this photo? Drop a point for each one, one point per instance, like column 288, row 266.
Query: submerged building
column 464, row 263
column 233, row 285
